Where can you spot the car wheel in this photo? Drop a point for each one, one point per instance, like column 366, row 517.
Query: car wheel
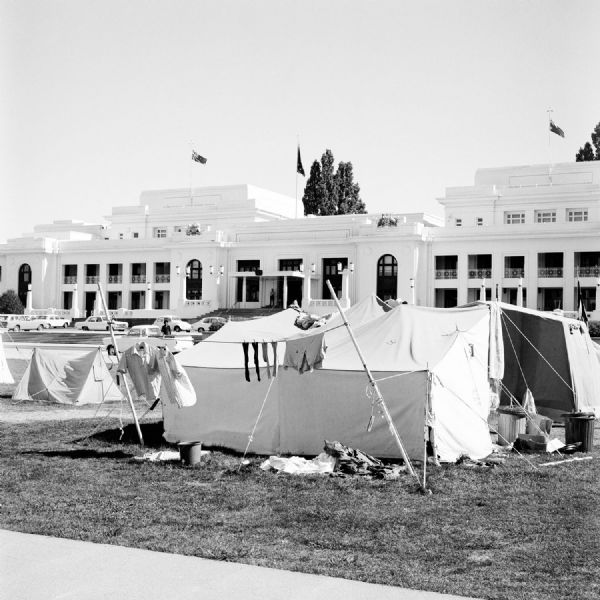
column 111, row 351
column 177, row 328
column 17, row 328
column 85, row 328
column 65, row 325
column 107, row 328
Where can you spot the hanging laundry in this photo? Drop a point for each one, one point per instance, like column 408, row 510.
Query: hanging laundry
column 245, row 346
column 139, row 362
column 305, row 354
column 256, row 367
column 274, row 346
column 265, row 353
column 176, row 386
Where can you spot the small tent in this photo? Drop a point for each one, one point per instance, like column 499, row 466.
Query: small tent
column 552, row 356
column 431, row 366
column 67, row 377
column 5, row 374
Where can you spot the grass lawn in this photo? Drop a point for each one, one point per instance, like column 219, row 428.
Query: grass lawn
column 507, row 532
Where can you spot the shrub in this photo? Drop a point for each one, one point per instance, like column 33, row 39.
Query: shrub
column 10, row 303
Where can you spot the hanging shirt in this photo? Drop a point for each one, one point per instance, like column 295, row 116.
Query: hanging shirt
column 305, row 354
column 139, row 362
column 176, row 386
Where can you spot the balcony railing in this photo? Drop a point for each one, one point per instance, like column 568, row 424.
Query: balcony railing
column 166, row 278
column 480, row 273
column 70, row 279
column 92, row 279
column 550, row 272
column 587, row 271
column 138, row 279
column 115, row 279
column 514, row 273
column 446, row 274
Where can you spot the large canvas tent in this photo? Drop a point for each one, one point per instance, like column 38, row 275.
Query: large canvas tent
column 552, row 356
column 431, row 366
column 67, row 377
column 5, row 374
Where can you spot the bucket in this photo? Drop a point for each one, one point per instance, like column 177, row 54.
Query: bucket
column 190, row 453
column 579, row 427
column 511, row 423
column 539, row 425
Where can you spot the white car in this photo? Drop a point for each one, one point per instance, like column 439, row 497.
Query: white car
column 56, row 321
column 100, row 324
column 175, row 323
column 209, row 324
column 151, row 335
column 25, row 323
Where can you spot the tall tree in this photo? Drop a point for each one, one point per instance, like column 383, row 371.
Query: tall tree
column 587, row 151
column 312, row 190
column 348, row 191
column 332, row 192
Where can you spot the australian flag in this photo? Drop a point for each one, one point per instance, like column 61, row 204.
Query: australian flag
column 197, row 158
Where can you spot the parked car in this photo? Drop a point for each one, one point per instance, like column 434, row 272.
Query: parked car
column 24, row 323
column 175, row 323
column 100, row 324
column 152, row 335
column 56, row 321
column 8, row 321
column 209, row 324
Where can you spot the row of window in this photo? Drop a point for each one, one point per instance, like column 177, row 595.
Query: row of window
column 550, row 264
column 573, row 215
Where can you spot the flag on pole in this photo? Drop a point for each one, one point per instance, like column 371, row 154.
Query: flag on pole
column 299, row 167
column 556, row 129
column 197, row 158
column 581, row 312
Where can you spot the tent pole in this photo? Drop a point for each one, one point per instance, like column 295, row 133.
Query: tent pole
column 379, row 397
column 114, row 341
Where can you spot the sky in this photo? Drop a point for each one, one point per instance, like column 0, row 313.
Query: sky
column 102, row 99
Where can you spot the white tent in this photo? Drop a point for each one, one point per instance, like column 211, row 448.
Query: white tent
column 67, row 377
column 5, row 374
column 431, row 366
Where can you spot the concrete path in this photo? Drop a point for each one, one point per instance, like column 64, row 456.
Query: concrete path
column 35, row 567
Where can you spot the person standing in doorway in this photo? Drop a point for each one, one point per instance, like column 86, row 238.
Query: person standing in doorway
column 272, row 298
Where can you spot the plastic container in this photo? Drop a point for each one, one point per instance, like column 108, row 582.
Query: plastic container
column 190, row 453
column 579, row 427
column 539, row 425
column 511, row 423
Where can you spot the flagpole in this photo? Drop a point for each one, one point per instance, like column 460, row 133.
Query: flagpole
column 297, row 146
column 191, row 167
column 549, row 111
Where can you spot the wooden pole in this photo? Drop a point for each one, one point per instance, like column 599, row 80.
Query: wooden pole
column 114, row 341
column 379, row 397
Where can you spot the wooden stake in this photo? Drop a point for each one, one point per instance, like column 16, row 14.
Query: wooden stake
column 379, row 397
column 114, row 341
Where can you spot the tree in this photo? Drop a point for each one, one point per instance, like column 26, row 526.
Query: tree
column 10, row 303
column 331, row 192
column 587, row 152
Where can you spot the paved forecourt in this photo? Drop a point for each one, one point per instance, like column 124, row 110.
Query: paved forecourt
column 35, row 567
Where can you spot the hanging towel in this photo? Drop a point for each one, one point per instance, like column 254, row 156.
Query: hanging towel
column 274, row 346
column 305, row 354
column 265, row 353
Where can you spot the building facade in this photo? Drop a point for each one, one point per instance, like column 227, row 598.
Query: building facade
column 528, row 231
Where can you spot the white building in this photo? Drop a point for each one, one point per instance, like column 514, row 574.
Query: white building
column 224, row 247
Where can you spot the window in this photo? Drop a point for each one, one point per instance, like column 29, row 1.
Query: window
column 577, row 214
column 458, row 222
column 121, row 236
column 290, row 264
column 248, row 265
column 178, row 229
column 545, row 216
column 160, row 232
column 446, row 267
column 136, row 234
column 479, row 221
column 514, row 218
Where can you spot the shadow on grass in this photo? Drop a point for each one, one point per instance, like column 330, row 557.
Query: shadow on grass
column 81, row 453
column 151, row 432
